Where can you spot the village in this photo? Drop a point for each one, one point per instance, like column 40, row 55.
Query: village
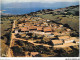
column 39, row 32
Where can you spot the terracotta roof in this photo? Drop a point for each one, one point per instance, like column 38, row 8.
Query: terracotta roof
column 24, row 29
column 46, row 29
column 19, row 24
column 73, row 38
column 42, row 24
column 39, row 28
column 56, row 41
column 27, row 23
column 32, row 27
column 63, row 37
column 56, row 33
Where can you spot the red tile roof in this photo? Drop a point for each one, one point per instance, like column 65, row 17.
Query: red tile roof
column 56, row 41
column 46, row 29
column 39, row 28
column 24, row 29
column 32, row 27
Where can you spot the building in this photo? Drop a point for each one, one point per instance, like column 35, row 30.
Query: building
column 68, row 30
column 61, row 26
column 56, row 33
column 32, row 28
column 20, row 25
column 43, row 25
column 24, row 29
column 39, row 28
column 47, row 29
column 50, row 35
column 69, row 41
column 16, row 31
column 57, row 42
column 63, row 37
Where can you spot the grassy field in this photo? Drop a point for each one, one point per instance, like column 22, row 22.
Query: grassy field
column 5, row 33
column 72, row 21
column 6, row 26
column 68, row 16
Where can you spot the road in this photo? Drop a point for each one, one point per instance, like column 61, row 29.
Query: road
column 12, row 37
column 30, row 41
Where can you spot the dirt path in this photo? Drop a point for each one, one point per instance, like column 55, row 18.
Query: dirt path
column 12, row 37
column 33, row 42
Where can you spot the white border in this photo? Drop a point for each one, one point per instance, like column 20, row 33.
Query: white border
column 79, row 28
column 0, row 29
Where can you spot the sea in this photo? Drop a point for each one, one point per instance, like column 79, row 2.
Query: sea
column 25, row 8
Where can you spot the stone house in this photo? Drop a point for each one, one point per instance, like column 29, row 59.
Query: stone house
column 63, row 37
column 57, row 42
column 47, row 29
column 39, row 28
column 24, row 29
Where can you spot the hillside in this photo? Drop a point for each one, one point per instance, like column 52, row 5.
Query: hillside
column 68, row 16
column 44, row 28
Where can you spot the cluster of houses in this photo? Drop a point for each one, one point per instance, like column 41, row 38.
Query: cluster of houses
column 42, row 27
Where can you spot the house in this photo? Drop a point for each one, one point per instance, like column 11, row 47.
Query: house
column 54, row 28
column 72, row 39
column 20, row 25
column 39, row 28
column 32, row 28
column 56, row 33
column 46, row 24
column 43, row 25
column 47, row 29
column 50, row 35
column 24, row 29
column 38, row 24
column 27, row 24
column 57, row 42
column 16, row 30
column 64, row 37
column 47, row 20
column 61, row 26
column 69, row 41
column 68, row 30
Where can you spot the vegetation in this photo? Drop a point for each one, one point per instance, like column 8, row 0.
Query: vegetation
column 6, row 26
column 5, row 36
column 68, row 15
